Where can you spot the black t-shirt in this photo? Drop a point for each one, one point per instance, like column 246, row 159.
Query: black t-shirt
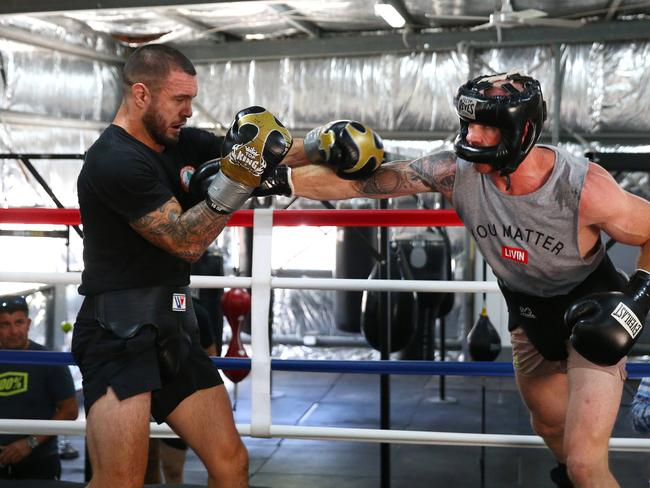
column 121, row 180
column 31, row 391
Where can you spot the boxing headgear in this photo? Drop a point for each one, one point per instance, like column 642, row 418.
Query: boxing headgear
column 510, row 113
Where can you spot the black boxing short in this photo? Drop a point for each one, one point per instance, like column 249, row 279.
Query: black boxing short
column 131, row 362
column 542, row 318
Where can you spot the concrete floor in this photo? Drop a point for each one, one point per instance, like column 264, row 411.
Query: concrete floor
column 351, row 400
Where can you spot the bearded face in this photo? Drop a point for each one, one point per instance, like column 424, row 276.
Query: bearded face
column 157, row 125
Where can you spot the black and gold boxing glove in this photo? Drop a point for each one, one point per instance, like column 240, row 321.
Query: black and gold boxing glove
column 277, row 183
column 351, row 148
column 202, row 178
column 254, row 145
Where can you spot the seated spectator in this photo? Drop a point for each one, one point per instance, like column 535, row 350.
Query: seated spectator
column 30, row 391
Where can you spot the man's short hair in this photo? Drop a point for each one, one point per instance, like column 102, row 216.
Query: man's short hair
column 13, row 303
column 151, row 64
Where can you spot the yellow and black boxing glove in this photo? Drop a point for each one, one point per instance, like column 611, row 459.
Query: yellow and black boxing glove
column 254, row 145
column 202, row 178
column 351, row 148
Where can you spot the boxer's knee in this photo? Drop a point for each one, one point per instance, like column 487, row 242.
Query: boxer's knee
column 547, row 430
column 230, row 463
column 584, row 467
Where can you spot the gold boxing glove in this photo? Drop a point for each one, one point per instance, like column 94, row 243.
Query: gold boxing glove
column 351, row 148
column 254, row 145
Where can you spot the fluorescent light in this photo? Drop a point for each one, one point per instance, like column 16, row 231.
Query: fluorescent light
column 390, row 14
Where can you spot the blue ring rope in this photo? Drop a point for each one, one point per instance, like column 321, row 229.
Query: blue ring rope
column 451, row 368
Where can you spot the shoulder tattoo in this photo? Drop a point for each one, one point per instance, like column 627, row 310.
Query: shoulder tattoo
column 436, row 171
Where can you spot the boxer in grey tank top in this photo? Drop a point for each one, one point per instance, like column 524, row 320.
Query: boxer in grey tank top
column 530, row 240
column 536, row 213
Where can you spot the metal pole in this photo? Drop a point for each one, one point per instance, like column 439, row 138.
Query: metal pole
column 443, row 353
column 557, row 94
column 384, row 380
column 482, row 459
column 47, row 189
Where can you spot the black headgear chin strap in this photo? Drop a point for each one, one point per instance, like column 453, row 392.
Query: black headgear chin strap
column 510, row 113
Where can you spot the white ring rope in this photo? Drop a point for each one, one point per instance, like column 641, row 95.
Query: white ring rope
column 261, row 283
column 78, row 427
column 287, row 283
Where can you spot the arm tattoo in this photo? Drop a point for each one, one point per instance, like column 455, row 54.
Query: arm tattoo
column 185, row 235
column 434, row 172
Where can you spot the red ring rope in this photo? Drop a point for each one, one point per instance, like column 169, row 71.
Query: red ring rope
column 282, row 218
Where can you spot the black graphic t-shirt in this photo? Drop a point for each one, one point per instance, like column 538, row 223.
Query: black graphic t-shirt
column 31, row 391
column 121, row 180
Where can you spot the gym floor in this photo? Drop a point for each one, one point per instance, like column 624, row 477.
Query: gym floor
column 352, row 400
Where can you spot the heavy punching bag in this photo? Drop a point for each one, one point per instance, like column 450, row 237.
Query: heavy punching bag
column 483, row 339
column 355, row 251
column 429, row 257
column 236, row 305
column 404, row 311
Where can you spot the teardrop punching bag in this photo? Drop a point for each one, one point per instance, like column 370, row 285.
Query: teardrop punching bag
column 236, row 305
column 404, row 311
column 483, row 339
column 429, row 259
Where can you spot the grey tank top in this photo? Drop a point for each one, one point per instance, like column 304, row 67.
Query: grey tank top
column 530, row 241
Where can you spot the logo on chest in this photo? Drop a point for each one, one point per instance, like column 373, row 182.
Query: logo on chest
column 514, row 254
column 185, row 175
column 13, row 383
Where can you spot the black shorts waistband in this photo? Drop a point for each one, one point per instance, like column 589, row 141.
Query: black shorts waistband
column 124, row 312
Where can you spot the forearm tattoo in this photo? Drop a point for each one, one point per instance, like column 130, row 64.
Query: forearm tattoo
column 433, row 172
column 183, row 234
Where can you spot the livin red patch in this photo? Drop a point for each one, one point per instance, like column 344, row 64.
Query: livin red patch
column 514, row 254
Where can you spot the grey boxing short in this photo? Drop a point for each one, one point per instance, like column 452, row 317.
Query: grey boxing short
column 141, row 340
column 528, row 362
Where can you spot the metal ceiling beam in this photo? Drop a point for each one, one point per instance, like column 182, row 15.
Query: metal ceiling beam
column 613, row 8
column 35, row 39
column 200, row 27
column 48, row 6
column 289, row 15
column 368, row 45
column 42, row 120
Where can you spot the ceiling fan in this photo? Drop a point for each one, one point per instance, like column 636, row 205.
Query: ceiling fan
column 508, row 17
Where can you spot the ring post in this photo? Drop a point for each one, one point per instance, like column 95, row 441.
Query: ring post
column 260, row 299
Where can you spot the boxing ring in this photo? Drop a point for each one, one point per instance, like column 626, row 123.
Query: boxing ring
column 261, row 283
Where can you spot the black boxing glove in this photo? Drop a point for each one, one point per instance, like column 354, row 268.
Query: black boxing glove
column 201, row 179
column 277, row 183
column 254, row 145
column 606, row 325
column 353, row 149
